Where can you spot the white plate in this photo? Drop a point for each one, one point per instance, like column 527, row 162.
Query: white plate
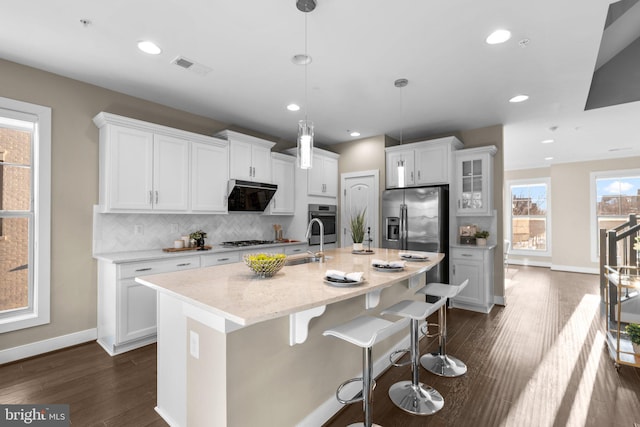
column 342, row 283
column 414, row 259
column 386, row 269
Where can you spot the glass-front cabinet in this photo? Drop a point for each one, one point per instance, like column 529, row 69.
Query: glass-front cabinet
column 474, row 171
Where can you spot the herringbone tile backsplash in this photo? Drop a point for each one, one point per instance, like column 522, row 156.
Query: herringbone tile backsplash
column 116, row 232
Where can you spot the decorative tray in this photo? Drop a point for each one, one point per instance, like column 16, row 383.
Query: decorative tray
column 204, row 248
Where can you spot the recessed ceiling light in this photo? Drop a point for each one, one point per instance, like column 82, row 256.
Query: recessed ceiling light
column 519, row 98
column 293, row 107
column 548, row 158
column 354, row 133
column 301, row 59
column 498, row 36
column 547, row 141
column 149, row 47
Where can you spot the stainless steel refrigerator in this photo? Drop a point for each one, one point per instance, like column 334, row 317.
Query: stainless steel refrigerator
column 417, row 219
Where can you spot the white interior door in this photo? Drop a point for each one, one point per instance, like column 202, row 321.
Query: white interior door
column 360, row 190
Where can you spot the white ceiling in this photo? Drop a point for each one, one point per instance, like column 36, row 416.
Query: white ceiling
column 359, row 48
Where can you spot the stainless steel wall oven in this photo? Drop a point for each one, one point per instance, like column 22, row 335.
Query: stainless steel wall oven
column 329, row 217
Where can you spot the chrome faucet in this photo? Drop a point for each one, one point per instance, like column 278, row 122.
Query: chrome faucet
column 321, row 253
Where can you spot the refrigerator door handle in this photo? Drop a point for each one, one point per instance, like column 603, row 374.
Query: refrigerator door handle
column 403, row 227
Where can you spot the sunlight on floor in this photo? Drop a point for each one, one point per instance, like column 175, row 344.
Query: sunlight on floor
column 580, row 407
column 546, row 389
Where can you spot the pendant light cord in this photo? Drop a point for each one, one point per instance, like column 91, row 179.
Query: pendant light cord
column 306, row 64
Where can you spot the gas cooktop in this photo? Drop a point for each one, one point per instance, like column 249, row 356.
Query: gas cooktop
column 242, row 243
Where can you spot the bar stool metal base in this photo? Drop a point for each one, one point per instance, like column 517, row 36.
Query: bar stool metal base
column 418, row 400
column 443, row 365
column 362, row 425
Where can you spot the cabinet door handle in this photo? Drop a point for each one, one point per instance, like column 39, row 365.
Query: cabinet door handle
column 467, row 255
column 418, row 175
column 274, row 203
column 143, row 269
column 296, row 250
column 150, row 197
column 250, row 171
column 156, row 197
column 184, row 264
column 222, row 259
column 254, row 171
column 412, row 176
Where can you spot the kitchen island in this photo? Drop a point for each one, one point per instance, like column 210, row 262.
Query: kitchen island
column 235, row 349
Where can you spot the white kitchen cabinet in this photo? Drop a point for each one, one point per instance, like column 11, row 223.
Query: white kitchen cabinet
column 126, row 309
column 394, row 158
column 143, row 171
column 474, row 181
column 146, row 167
column 323, row 176
column 170, row 173
column 249, row 157
column 283, row 175
column 209, row 175
column 425, row 162
column 476, row 264
column 220, row 258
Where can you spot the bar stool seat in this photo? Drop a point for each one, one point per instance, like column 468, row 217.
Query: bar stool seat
column 365, row 332
column 413, row 396
column 441, row 363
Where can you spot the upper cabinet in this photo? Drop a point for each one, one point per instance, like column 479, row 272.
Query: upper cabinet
column 283, row 175
column 474, row 181
column 209, row 176
column 425, row 163
column 322, row 178
column 145, row 167
column 249, row 157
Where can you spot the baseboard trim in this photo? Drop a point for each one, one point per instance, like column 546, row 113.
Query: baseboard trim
column 331, row 406
column 500, row 300
column 573, row 269
column 529, row 262
column 45, row 346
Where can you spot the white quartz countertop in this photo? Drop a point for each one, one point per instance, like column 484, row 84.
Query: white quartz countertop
column 235, row 293
column 152, row 254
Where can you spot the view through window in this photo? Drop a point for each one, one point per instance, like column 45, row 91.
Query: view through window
column 617, row 194
column 529, row 221
column 15, row 213
column 25, row 214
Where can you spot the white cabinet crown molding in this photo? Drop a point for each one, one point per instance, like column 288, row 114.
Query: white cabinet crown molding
column 104, row 118
column 231, row 135
column 490, row 149
column 456, row 144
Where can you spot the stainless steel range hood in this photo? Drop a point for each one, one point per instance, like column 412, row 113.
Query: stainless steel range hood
column 247, row 196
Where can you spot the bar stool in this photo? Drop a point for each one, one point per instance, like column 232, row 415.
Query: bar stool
column 441, row 363
column 364, row 331
column 413, row 396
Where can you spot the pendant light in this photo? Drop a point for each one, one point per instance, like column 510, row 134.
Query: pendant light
column 400, row 83
column 305, row 127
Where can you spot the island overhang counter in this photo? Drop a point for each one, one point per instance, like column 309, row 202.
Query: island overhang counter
column 237, row 349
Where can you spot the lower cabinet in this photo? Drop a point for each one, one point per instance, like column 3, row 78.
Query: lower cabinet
column 127, row 309
column 475, row 264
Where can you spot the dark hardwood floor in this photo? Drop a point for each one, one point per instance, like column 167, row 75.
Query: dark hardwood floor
column 539, row 361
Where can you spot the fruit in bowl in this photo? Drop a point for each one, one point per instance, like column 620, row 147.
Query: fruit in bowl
column 265, row 265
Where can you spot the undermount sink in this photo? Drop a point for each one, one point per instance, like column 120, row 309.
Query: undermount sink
column 304, row 260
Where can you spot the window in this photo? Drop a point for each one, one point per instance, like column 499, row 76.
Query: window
column 25, row 157
column 530, row 225
column 614, row 195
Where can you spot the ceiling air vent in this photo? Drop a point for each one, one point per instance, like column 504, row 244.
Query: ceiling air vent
column 190, row 65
